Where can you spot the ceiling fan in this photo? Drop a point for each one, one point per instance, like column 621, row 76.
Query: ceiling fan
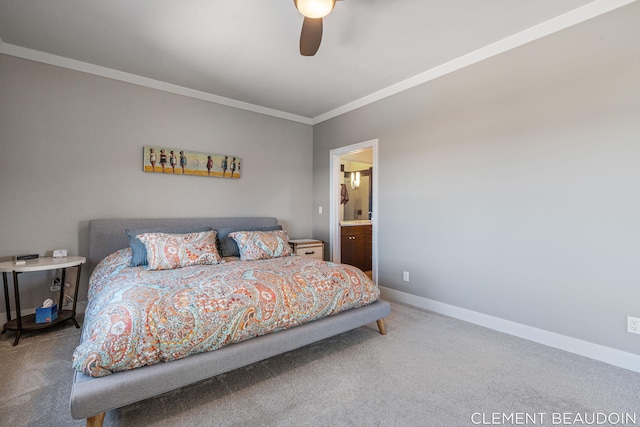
column 313, row 12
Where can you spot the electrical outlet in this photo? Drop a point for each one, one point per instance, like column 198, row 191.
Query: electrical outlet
column 633, row 325
column 405, row 276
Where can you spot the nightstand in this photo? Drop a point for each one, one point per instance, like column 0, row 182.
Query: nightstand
column 28, row 322
column 308, row 247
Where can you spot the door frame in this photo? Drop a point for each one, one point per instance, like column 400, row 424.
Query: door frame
column 334, row 197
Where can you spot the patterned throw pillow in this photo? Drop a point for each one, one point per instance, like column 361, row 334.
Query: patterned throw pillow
column 227, row 246
column 139, row 256
column 169, row 251
column 254, row 245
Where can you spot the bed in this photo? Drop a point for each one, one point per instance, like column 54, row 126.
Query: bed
column 98, row 388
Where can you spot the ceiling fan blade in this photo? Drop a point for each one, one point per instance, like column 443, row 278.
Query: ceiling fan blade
column 311, row 36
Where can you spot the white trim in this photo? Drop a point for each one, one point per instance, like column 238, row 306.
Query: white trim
column 536, row 32
column 569, row 19
column 334, row 206
column 583, row 348
column 109, row 73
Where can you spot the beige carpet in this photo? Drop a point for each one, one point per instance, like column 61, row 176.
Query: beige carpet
column 429, row 370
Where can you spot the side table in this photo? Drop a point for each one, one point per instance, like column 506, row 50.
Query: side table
column 308, row 247
column 28, row 322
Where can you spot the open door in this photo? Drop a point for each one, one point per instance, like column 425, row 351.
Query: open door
column 353, row 223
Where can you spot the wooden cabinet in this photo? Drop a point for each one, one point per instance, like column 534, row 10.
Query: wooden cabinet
column 355, row 246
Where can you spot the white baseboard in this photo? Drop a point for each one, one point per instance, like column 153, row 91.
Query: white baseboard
column 80, row 307
column 604, row 354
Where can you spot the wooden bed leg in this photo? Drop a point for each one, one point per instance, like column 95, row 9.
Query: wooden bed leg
column 96, row 420
column 381, row 326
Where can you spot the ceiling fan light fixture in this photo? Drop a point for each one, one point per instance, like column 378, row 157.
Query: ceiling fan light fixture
column 315, row 9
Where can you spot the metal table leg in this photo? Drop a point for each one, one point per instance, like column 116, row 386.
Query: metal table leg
column 6, row 298
column 18, row 315
column 62, row 282
column 75, row 296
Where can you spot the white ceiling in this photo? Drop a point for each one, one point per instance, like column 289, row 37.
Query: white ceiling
column 245, row 52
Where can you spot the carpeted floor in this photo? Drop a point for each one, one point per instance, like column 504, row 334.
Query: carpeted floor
column 429, row 370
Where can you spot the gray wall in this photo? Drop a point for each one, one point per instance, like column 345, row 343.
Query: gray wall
column 511, row 187
column 71, row 150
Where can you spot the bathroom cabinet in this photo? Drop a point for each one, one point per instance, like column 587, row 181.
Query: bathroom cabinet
column 356, row 246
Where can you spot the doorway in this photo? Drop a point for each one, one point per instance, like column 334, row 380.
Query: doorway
column 352, row 154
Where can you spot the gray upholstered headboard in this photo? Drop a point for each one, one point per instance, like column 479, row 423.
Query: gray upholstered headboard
column 108, row 235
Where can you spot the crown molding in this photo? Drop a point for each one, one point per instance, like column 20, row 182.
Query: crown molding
column 85, row 67
column 569, row 19
column 536, row 32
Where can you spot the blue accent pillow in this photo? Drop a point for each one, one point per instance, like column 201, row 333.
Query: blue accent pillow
column 137, row 247
column 229, row 247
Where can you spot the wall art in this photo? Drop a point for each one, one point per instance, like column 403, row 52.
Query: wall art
column 177, row 161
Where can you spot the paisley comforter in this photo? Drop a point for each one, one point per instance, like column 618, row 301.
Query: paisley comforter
column 137, row 317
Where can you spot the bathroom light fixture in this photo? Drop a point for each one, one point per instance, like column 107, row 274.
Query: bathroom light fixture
column 315, row 9
column 355, row 180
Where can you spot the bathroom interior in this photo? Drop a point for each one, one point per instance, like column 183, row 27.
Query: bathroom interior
column 356, row 214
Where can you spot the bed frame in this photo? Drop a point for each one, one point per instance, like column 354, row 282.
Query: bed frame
column 92, row 397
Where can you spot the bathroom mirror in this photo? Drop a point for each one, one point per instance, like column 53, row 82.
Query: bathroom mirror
column 355, row 194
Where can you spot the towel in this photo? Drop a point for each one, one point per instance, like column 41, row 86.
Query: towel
column 344, row 194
